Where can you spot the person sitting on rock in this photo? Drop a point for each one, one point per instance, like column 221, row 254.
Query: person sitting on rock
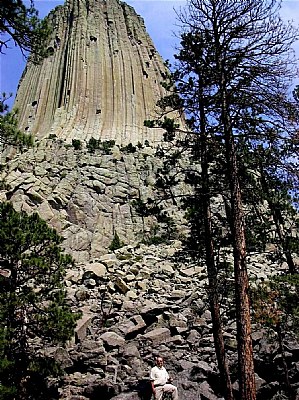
column 159, row 379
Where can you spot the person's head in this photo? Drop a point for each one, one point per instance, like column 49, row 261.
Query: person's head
column 159, row 361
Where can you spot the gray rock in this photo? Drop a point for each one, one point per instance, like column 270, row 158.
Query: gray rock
column 81, row 329
column 159, row 335
column 112, row 339
column 121, row 286
column 98, row 269
column 206, row 392
column 127, row 396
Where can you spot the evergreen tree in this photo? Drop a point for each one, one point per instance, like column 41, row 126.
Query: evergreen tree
column 270, row 194
column 9, row 132
column 231, row 78
column 33, row 307
column 21, row 25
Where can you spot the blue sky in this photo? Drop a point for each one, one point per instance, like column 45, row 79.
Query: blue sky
column 159, row 16
column 160, row 21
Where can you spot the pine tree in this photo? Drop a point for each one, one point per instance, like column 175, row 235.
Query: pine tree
column 20, row 24
column 9, row 132
column 270, row 194
column 33, row 307
column 232, row 78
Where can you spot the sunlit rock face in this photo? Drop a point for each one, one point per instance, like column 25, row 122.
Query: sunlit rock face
column 101, row 77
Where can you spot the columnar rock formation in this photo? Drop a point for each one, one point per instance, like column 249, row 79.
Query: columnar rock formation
column 101, row 77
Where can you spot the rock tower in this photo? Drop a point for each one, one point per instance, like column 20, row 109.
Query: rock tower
column 141, row 297
column 101, row 77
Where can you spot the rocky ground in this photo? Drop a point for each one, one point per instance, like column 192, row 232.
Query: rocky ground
column 142, row 301
column 139, row 301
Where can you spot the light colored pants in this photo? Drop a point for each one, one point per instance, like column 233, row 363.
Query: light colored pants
column 166, row 388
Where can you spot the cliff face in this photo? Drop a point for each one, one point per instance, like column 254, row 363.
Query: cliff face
column 87, row 197
column 101, row 77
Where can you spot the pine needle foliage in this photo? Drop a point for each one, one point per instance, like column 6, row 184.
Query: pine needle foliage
column 20, row 25
column 34, row 312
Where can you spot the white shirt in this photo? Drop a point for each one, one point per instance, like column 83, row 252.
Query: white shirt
column 159, row 375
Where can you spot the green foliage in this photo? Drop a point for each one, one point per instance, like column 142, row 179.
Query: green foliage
column 276, row 302
column 21, row 25
column 76, row 143
column 92, row 145
column 129, row 148
column 107, row 146
column 141, row 207
column 161, row 232
column 116, row 243
column 4, row 185
column 168, row 124
column 269, row 193
column 52, row 136
column 154, row 236
column 33, row 305
column 9, row 132
column 3, row 99
column 96, row 144
column 164, row 230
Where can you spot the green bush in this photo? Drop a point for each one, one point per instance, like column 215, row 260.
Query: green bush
column 116, row 243
column 76, row 143
column 129, row 148
column 97, row 144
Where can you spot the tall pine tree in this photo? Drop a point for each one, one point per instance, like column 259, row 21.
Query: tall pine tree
column 232, row 78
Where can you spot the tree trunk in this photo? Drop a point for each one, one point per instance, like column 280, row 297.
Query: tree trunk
column 215, row 307
column 210, row 262
column 245, row 351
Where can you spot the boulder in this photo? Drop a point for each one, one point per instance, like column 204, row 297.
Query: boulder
column 112, row 339
column 157, row 336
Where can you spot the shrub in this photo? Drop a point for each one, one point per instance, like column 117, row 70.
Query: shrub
column 76, row 143
column 116, row 243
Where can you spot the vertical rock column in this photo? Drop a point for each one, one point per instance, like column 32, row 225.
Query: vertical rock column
column 101, row 77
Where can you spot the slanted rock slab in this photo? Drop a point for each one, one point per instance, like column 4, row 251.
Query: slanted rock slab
column 159, row 335
column 112, row 339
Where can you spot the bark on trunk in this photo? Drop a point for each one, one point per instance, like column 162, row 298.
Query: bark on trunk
column 245, row 351
column 211, row 267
